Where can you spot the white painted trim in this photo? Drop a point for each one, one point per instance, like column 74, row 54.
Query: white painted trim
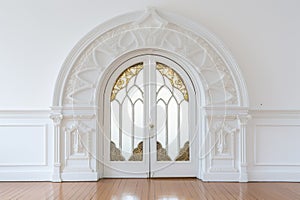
column 177, row 38
column 24, row 113
column 80, row 176
column 270, row 172
column 275, row 114
column 25, row 175
column 221, row 177
column 270, row 175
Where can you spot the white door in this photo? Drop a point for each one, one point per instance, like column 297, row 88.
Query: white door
column 150, row 120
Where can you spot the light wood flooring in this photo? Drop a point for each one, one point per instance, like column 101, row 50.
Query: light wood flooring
column 164, row 189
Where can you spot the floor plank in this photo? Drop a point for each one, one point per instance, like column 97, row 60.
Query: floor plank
column 147, row 189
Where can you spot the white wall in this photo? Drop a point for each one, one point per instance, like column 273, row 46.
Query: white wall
column 36, row 37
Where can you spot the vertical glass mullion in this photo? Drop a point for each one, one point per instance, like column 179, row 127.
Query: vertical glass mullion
column 120, row 125
column 152, row 113
column 132, row 126
column 167, row 127
column 146, row 140
column 178, row 127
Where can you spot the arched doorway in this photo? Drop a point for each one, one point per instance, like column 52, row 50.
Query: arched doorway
column 151, row 131
column 82, row 135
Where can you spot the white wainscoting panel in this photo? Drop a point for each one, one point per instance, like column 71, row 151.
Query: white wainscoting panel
column 26, row 145
column 274, row 145
column 23, row 145
column 277, row 144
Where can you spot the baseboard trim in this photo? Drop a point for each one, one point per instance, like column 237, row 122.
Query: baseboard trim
column 80, row 176
column 281, row 176
column 25, row 176
column 220, row 177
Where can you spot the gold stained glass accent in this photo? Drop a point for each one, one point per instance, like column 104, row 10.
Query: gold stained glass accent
column 175, row 79
column 124, row 79
column 184, row 153
column 115, row 153
column 162, row 154
column 137, row 153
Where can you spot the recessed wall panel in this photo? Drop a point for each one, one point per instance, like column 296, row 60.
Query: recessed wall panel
column 22, row 145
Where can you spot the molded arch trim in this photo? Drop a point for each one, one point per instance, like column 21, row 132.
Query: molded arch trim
column 223, row 84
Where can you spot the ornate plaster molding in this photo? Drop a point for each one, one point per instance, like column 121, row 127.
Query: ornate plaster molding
column 219, row 74
column 210, row 65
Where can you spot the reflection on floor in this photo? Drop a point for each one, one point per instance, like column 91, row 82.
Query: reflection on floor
column 132, row 189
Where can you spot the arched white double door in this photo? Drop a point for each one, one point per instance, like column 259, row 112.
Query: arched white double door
column 149, row 121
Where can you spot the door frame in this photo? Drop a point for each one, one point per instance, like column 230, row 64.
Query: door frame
column 78, row 89
column 181, row 68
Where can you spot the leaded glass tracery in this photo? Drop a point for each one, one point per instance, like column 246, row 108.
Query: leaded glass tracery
column 127, row 97
column 127, row 114
column 125, row 78
column 172, row 100
column 174, row 78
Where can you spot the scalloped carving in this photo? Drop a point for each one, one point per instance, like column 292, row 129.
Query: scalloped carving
column 150, row 31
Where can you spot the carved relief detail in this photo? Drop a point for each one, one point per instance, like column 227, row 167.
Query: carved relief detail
column 150, row 31
column 76, row 143
column 224, row 139
column 56, row 118
column 77, row 138
column 82, row 71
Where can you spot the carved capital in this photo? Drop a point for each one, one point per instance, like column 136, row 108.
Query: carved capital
column 56, row 118
column 243, row 119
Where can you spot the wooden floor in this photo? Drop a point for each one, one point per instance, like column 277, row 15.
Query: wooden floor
column 131, row 189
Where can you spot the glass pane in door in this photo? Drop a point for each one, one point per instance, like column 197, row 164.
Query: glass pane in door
column 172, row 115
column 127, row 118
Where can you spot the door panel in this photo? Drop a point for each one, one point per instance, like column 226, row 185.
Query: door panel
column 174, row 141
column 172, row 97
column 126, row 127
column 124, row 144
column 151, row 123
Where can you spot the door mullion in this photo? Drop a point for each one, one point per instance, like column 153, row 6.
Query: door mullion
column 147, row 118
column 152, row 113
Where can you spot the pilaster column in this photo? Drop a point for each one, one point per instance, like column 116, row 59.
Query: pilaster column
column 57, row 118
column 243, row 119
